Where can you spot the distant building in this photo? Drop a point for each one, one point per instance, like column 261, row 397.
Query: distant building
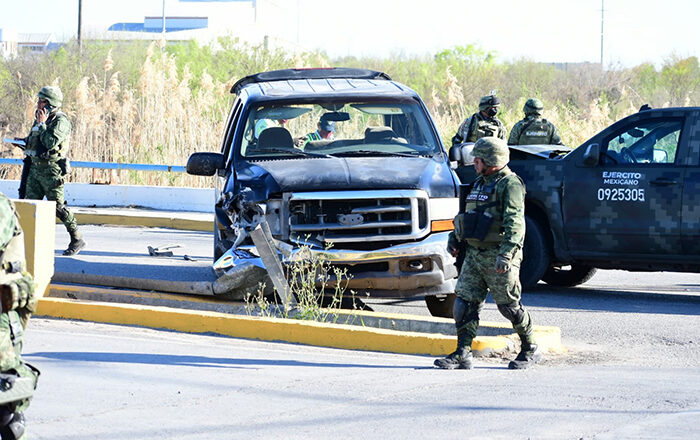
column 36, row 42
column 8, row 43
column 155, row 24
column 13, row 43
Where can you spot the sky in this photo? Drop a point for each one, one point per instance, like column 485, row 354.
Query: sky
column 635, row 31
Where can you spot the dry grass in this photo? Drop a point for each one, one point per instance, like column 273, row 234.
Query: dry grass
column 166, row 113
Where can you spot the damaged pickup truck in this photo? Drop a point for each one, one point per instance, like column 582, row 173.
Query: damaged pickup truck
column 346, row 162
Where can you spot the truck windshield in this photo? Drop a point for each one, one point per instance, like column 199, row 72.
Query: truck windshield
column 353, row 128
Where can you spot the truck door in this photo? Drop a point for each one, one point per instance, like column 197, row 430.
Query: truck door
column 630, row 202
column 690, row 217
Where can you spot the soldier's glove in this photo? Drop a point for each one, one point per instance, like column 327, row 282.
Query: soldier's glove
column 502, row 264
column 452, row 244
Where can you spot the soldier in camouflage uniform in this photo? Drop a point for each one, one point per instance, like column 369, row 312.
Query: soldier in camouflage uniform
column 533, row 129
column 47, row 145
column 481, row 124
column 17, row 379
column 493, row 227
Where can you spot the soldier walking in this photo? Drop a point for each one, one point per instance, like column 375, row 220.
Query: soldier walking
column 493, row 230
column 17, row 379
column 47, row 146
column 533, row 129
column 481, row 124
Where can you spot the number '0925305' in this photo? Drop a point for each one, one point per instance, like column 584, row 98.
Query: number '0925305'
column 621, row 194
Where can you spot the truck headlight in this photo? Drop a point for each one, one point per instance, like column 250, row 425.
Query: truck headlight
column 442, row 211
column 273, row 215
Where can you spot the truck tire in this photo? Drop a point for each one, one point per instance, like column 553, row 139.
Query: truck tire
column 536, row 254
column 440, row 306
column 577, row 274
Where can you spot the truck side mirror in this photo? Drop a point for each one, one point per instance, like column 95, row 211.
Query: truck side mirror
column 591, row 156
column 205, row 164
column 462, row 154
column 455, row 154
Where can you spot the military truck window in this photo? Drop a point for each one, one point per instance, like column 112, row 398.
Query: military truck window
column 654, row 142
column 339, row 129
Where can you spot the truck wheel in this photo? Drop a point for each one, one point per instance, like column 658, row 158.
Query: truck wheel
column 440, row 306
column 575, row 275
column 536, row 254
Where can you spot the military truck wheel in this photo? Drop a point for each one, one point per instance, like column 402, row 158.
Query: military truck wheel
column 536, row 254
column 575, row 275
column 440, row 306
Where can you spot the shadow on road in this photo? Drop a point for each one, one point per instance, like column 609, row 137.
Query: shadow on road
column 620, row 301
column 194, row 361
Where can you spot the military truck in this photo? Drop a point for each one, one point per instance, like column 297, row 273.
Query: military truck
column 628, row 198
column 346, row 162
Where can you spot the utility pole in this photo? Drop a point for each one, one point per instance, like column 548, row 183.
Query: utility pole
column 163, row 29
column 80, row 26
column 298, row 20
column 602, row 30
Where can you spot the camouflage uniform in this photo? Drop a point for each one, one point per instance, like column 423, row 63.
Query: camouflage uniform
column 17, row 379
column 47, row 145
column 493, row 227
column 533, row 129
column 478, row 125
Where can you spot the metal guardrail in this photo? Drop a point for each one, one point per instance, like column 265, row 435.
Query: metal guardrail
column 111, row 166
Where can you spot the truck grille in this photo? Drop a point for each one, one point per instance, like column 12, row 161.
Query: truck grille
column 357, row 216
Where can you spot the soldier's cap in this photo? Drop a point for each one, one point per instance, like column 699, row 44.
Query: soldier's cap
column 533, row 106
column 489, row 101
column 52, row 94
column 492, row 151
column 326, row 125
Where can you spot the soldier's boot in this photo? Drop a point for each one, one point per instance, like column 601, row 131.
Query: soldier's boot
column 14, row 428
column 529, row 355
column 460, row 359
column 76, row 242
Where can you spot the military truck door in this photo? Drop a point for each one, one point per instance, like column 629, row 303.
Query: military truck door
column 690, row 218
column 629, row 202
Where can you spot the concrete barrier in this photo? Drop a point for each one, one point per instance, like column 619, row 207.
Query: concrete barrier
column 37, row 218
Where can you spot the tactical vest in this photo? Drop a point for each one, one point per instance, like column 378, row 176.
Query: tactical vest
column 536, row 132
column 34, row 146
column 483, row 199
column 484, row 128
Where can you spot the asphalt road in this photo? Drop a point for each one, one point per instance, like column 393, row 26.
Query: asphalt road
column 112, row 382
column 618, row 317
column 631, row 371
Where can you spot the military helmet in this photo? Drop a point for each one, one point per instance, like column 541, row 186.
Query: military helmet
column 52, row 94
column 488, row 101
column 533, row 106
column 493, row 151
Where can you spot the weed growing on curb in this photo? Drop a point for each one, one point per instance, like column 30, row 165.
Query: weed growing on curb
column 320, row 290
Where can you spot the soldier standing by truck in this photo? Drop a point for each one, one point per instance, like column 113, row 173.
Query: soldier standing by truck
column 493, row 229
column 533, row 129
column 481, row 124
column 47, row 145
column 17, row 379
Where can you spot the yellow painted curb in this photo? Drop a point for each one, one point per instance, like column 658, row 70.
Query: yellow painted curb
column 88, row 218
column 279, row 329
column 250, row 327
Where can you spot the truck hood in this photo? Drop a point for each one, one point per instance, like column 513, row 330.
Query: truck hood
column 341, row 173
column 540, row 151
